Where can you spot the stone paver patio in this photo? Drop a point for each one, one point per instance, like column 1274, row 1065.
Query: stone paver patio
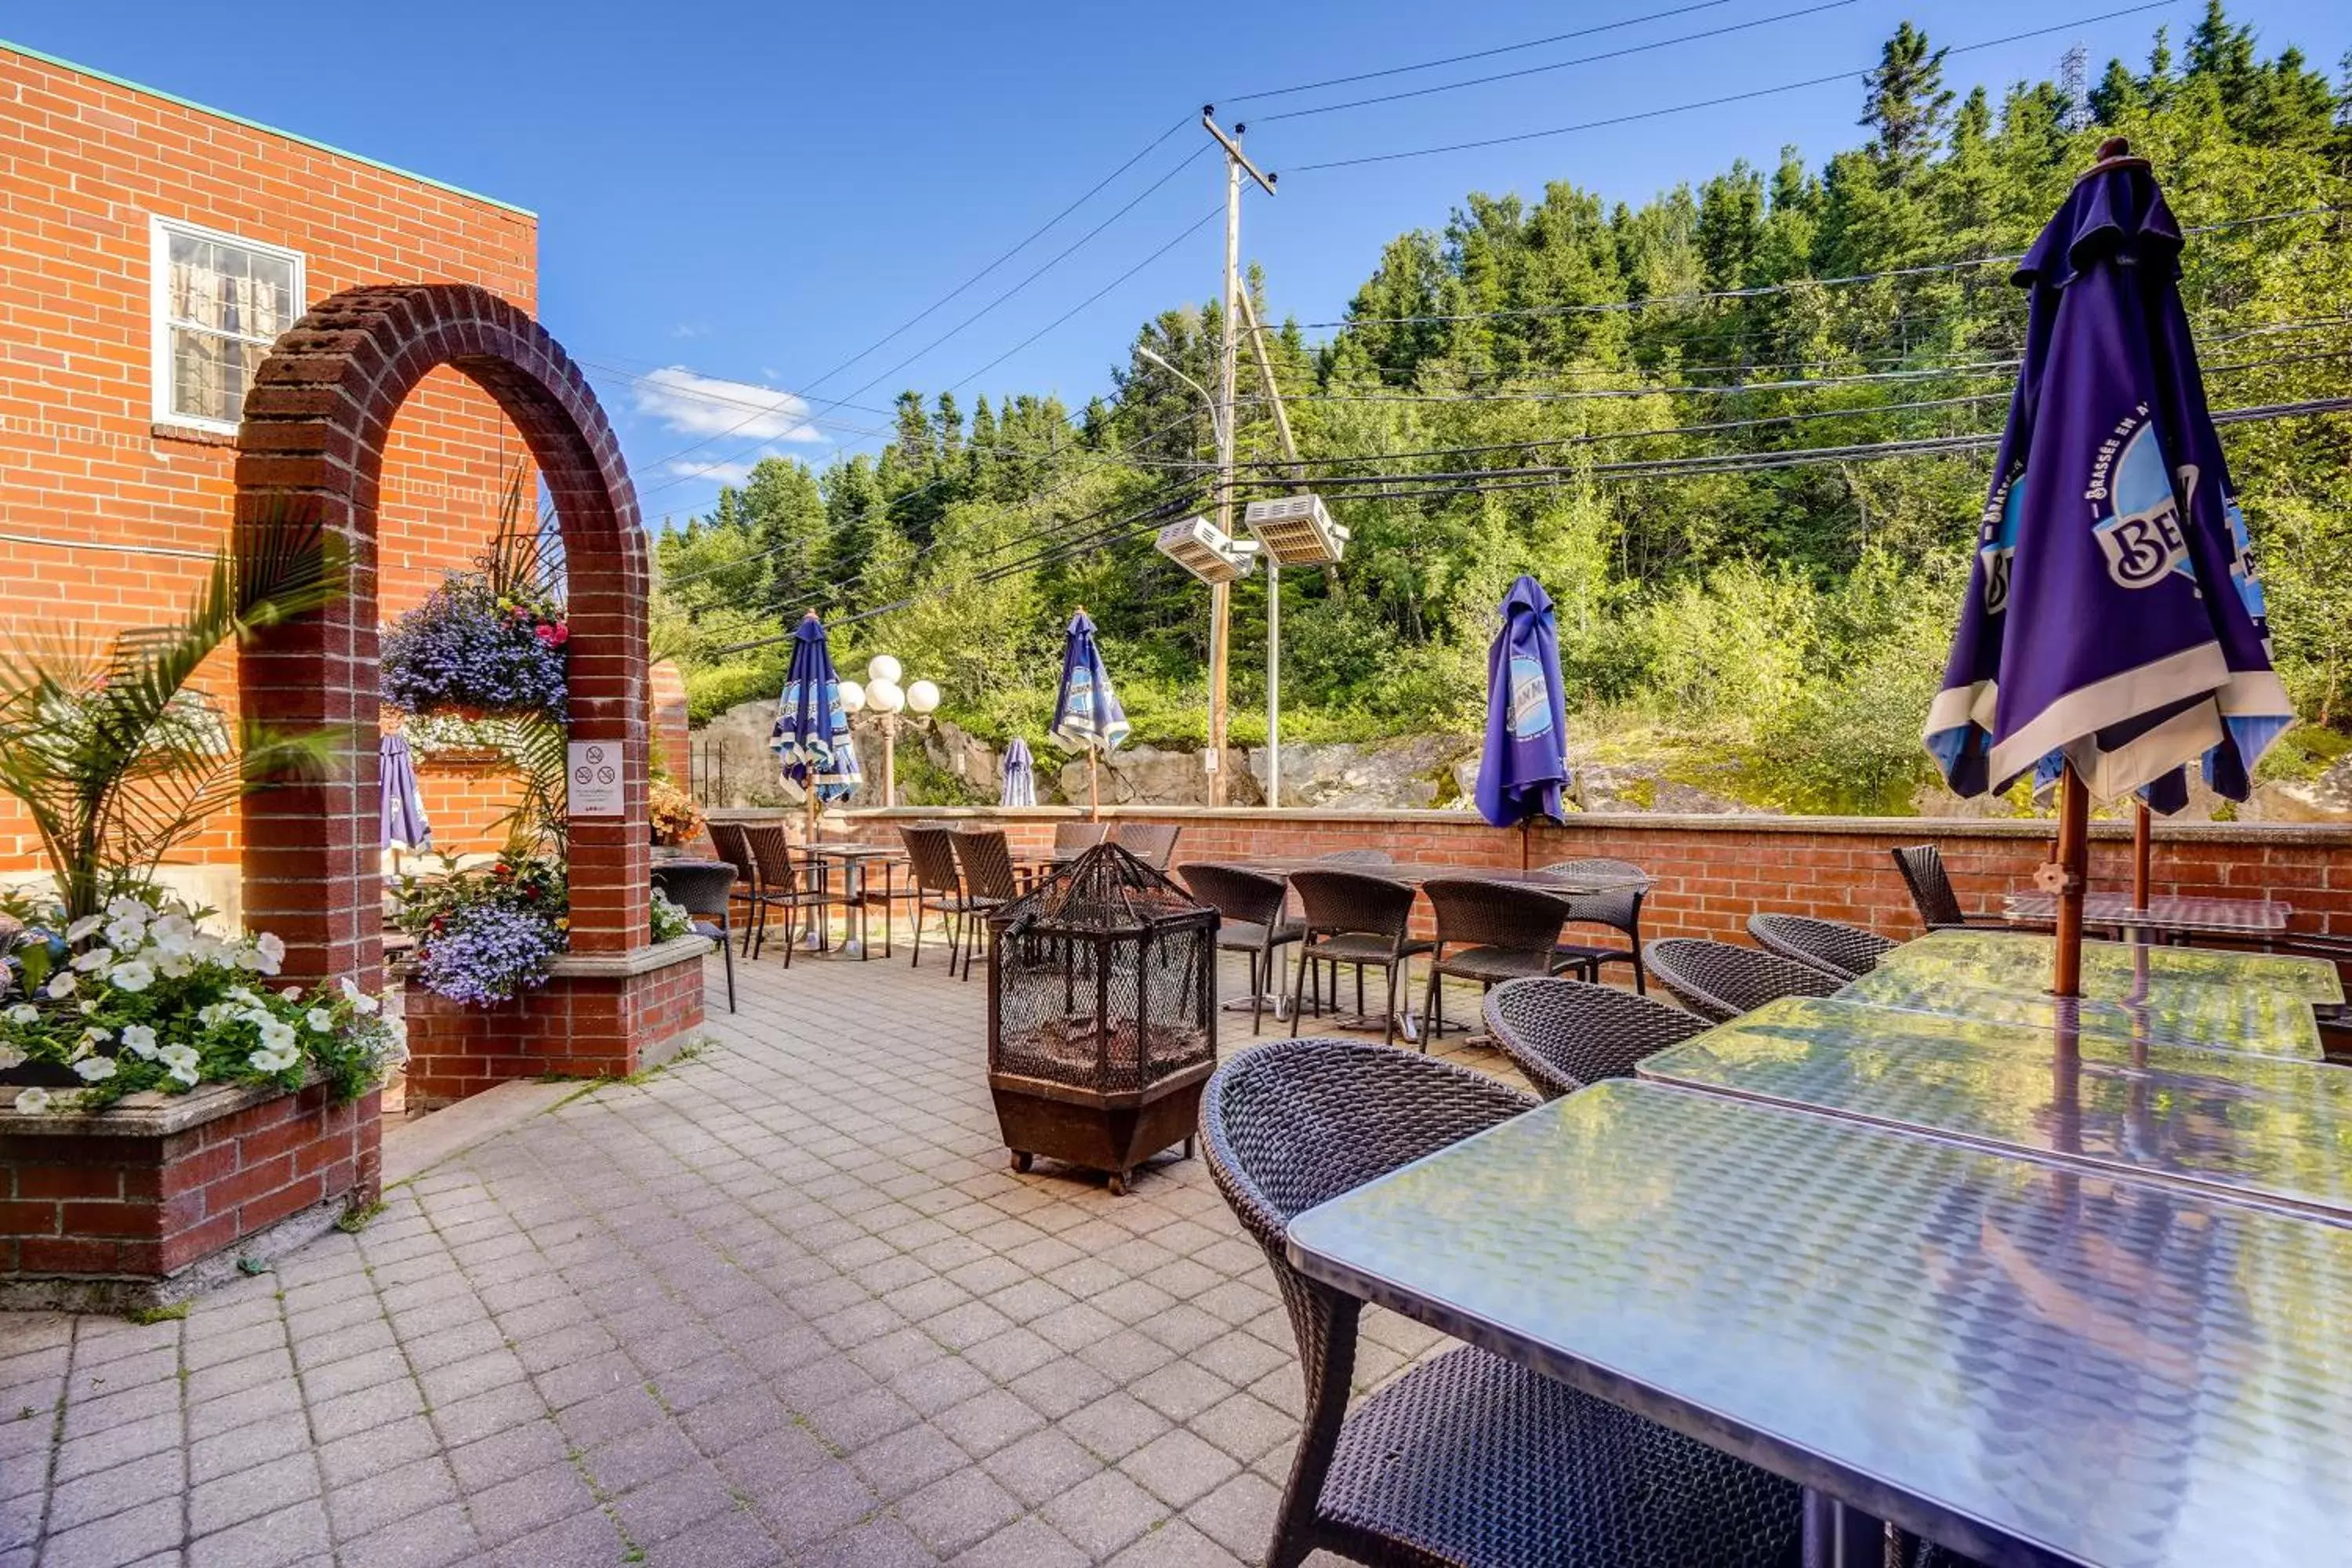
column 781, row 1302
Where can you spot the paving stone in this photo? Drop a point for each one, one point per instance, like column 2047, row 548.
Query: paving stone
column 1115, row 1425
column 287, row 1536
column 906, row 1460
column 1175, row 1545
column 1025, row 1543
column 103, row 1492
column 370, row 1502
column 117, row 1539
column 433, row 1539
column 249, row 1493
column 877, row 1543
column 960, row 1509
column 529, row 1501
column 671, row 1503
column 1104, row 1513
column 1179, row 1466
column 1239, row 1515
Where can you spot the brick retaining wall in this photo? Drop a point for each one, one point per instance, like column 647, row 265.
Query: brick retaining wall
column 1711, row 873
column 124, row 1208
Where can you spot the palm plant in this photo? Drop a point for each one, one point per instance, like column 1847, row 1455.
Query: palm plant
column 117, row 759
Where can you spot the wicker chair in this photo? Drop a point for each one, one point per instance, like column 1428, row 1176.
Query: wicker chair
column 780, row 887
column 1922, row 865
column 1619, row 909
column 1352, row 918
column 939, row 886
column 1152, row 841
column 1075, row 838
column 729, row 840
column 1467, row 1461
column 1719, row 981
column 1849, row 953
column 989, row 882
column 1257, row 922
column 705, row 892
column 1567, row 1034
column 1500, row 930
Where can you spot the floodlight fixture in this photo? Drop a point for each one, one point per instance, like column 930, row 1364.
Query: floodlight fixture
column 1207, row 552
column 1296, row 531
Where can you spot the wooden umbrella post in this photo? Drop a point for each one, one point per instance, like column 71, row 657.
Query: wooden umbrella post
column 2143, row 852
column 1094, row 783
column 2066, row 876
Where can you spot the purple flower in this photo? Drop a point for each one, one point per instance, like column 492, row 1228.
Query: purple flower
column 459, row 650
column 489, row 952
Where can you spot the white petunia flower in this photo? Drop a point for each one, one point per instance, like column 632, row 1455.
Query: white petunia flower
column 95, row 959
column 10, row 1057
column 174, row 966
column 33, row 1101
column 178, row 1055
column 88, row 1004
column 362, row 1003
column 320, row 1020
column 126, row 933
column 277, row 1035
column 140, row 1038
column 134, row 976
column 83, row 927
column 95, row 1070
column 290, row 994
column 24, row 1013
column 272, row 949
column 241, row 994
column 61, row 984
column 187, row 1074
column 123, row 906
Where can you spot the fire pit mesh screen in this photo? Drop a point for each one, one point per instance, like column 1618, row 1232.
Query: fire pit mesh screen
column 1103, row 978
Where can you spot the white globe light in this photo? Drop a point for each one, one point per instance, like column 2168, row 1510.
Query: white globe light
column 884, row 696
column 853, row 697
column 922, row 697
column 882, row 668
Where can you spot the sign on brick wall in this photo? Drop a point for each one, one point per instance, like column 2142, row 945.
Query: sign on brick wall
column 593, row 771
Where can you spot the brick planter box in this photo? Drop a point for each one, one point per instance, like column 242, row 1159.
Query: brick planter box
column 157, row 1197
column 597, row 1016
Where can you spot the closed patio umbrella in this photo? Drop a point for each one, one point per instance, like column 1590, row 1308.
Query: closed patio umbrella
column 1524, row 767
column 2113, row 624
column 1020, row 775
column 811, row 738
column 1087, row 714
column 405, row 822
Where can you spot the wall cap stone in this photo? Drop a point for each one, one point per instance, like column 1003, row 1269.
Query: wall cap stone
column 639, row 960
column 150, row 1114
column 1922, row 828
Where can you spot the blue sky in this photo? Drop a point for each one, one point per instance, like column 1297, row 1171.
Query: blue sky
column 736, row 197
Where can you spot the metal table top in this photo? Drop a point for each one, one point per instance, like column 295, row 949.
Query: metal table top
column 2243, row 1126
column 2184, row 1011
column 2258, row 917
column 2026, row 1363
column 1419, row 871
column 2021, row 961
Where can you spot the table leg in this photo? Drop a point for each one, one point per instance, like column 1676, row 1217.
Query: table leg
column 1838, row 1536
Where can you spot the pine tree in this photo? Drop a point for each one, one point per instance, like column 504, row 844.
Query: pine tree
column 1907, row 103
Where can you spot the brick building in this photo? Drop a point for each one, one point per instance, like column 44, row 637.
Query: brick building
column 153, row 249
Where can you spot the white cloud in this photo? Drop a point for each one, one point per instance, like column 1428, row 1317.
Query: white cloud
column 694, row 404
column 713, row 472
column 690, row 330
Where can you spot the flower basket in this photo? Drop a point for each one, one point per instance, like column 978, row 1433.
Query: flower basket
column 471, row 652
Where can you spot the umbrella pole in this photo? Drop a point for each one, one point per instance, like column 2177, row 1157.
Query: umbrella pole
column 2143, row 852
column 1524, row 831
column 2073, row 868
column 1093, row 786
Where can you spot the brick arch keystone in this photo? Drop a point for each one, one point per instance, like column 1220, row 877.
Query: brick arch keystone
column 311, row 450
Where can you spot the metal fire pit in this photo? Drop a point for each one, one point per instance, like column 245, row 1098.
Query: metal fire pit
column 1102, row 1009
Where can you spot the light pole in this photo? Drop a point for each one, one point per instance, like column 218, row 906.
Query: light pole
column 883, row 694
column 1215, row 560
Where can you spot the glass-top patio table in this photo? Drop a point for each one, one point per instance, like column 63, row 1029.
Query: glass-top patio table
column 2021, row 961
column 1416, row 872
column 2023, row 1361
column 2255, row 1127
column 2182, row 916
column 2182, row 1011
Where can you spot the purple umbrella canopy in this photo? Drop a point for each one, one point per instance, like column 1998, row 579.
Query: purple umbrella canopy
column 1020, row 775
column 1087, row 714
column 2114, row 619
column 405, row 822
column 1525, row 764
column 811, row 738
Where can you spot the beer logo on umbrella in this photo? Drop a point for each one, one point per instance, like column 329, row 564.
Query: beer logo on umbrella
column 1530, row 699
column 2143, row 540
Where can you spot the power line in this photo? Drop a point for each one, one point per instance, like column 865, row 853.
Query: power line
column 1473, row 55
column 1714, row 103
column 1189, row 231
column 1150, row 147
column 1555, row 65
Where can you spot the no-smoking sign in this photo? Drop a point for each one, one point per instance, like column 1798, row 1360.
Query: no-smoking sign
column 593, row 771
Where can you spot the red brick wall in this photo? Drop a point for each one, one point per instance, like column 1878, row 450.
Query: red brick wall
column 575, row 1027
column 1711, row 873
column 87, row 162
column 148, row 1206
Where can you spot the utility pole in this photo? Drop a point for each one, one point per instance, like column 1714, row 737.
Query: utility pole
column 1221, row 597
column 1273, row 567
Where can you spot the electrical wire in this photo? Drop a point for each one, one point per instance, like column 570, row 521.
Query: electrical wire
column 1189, row 231
column 1843, row 76
column 1555, row 65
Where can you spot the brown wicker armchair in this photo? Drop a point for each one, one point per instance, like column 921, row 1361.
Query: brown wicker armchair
column 1351, row 918
column 1922, row 867
column 1847, row 953
column 1467, row 1461
column 1719, row 981
column 1565, row 1034
column 1076, row 838
column 705, row 893
column 779, row 887
column 939, row 887
column 989, row 882
column 729, row 839
column 1255, row 915
column 1150, row 841
column 1618, row 907
column 1497, row 932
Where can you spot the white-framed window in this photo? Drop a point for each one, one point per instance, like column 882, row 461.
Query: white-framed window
column 220, row 302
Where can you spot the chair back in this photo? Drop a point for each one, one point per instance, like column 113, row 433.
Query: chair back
column 1565, row 1034
column 1618, row 907
column 1922, row 865
column 697, row 890
column 1249, row 896
column 1353, row 904
column 771, row 857
column 1719, row 981
column 1151, row 841
column 728, row 840
column 931, row 851
column 987, row 862
column 1293, row 1124
column 1847, row 953
column 1474, row 912
column 1069, row 837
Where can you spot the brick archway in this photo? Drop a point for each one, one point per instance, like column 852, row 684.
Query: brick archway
column 312, row 448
